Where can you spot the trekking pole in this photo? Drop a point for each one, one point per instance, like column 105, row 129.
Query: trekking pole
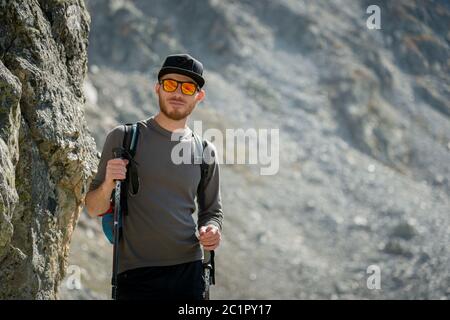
column 118, row 153
column 209, row 276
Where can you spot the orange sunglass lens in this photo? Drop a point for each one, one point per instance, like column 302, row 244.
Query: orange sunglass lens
column 188, row 88
column 170, row 85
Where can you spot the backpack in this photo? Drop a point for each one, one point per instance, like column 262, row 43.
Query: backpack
column 131, row 183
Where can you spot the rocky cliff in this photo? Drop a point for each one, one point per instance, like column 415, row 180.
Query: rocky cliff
column 47, row 157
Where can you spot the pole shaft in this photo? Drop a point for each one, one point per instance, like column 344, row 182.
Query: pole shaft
column 117, row 213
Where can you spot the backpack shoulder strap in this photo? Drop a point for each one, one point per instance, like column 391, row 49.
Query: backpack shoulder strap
column 207, row 166
column 206, row 171
column 197, row 155
column 130, row 138
column 200, row 157
column 207, row 163
column 129, row 144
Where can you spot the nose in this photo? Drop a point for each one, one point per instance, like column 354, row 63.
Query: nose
column 176, row 95
column 178, row 92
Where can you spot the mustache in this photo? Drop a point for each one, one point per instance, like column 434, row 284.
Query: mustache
column 176, row 100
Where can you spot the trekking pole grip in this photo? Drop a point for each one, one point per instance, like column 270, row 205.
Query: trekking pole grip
column 118, row 152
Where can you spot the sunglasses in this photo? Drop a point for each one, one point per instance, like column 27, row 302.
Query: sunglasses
column 171, row 85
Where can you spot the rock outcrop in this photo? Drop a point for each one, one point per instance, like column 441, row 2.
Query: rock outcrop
column 47, row 156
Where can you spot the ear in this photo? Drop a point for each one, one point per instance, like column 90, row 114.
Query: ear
column 157, row 87
column 200, row 95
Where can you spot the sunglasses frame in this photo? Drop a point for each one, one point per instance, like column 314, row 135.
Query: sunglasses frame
column 178, row 84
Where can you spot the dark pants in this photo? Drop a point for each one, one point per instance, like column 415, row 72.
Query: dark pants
column 178, row 282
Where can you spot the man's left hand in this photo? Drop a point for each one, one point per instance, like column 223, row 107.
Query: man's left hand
column 209, row 237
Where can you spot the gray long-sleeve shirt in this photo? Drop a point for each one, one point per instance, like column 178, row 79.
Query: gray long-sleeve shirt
column 159, row 229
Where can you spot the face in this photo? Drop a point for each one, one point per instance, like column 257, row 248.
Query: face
column 176, row 105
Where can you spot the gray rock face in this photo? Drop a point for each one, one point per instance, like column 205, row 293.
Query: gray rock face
column 46, row 157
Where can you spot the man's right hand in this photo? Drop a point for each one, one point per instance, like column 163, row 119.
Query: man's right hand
column 97, row 201
column 116, row 169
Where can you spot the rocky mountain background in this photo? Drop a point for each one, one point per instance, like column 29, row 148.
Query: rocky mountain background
column 363, row 116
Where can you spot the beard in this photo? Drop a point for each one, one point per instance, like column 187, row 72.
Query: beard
column 173, row 113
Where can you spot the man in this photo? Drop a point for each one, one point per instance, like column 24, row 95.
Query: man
column 160, row 254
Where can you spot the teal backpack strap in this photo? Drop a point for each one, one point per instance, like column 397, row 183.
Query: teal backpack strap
column 131, row 183
column 129, row 143
column 131, row 148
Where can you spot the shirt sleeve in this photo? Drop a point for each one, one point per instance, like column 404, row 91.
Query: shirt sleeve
column 113, row 140
column 212, row 212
